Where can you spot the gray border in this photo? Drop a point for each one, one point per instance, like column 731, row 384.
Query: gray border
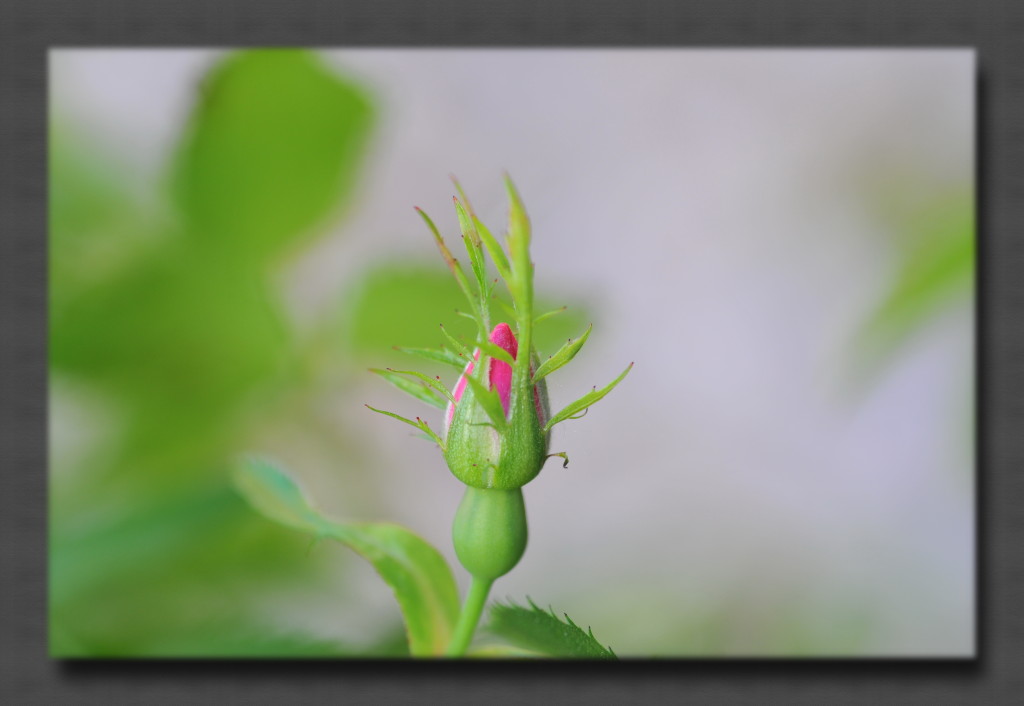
column 28, row 29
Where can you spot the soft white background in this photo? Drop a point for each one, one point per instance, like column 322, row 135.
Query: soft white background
column 714, row 207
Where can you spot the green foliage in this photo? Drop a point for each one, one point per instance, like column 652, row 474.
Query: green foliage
column 404, row 303
column 416, row 572
column 936, row 268
column 272, row 146
column 174, row 328
column 400, row 303
column 543, row 632
column 166, row 322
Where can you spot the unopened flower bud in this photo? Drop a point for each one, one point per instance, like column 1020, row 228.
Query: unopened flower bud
column 491, row 448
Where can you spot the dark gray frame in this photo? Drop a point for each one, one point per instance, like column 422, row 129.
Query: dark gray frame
column 28, row 29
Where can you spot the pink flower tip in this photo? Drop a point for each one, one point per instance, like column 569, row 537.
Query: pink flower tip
column 499, row 375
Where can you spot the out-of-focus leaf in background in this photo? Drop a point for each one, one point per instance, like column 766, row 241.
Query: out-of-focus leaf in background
column 272, row 145
column 405, row 304
column 936, row 270
column 170, row 321
column 419, row 576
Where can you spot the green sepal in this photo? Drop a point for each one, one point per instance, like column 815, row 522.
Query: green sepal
column 587, row 400
column 472, row 444
column 437, row 355
column 489, row 401
column 468, row 315
column 489, row 241
column 453, row 264
column 433, row 382
column 495, row 352
column 518, row 231
column 420, row 392
column 456, row 344
column 473, row 247
column 520, row 283
column 419, row 424
column 493, row 248
column 547, row 315
column 563, row 356
column 562, row 455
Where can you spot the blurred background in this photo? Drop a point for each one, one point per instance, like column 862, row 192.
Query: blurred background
column 782, row 241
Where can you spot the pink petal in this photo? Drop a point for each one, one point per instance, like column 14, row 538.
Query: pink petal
column 500, row 374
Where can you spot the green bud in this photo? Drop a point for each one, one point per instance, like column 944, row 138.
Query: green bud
column 494, row 430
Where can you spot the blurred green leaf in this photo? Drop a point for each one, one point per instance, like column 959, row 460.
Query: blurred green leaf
column 936, row 270
column 245, row 641
column 132, row 575
column 503, row 652
column 273, row 145
column 416, row 572
column 540, row 631
column 176, row 328
column 97, row 226
column 402, row 304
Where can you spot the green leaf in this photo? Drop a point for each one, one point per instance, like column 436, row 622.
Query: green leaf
column 563, row 356
column 406, row 385
column 540, row 631
column 587, row 400
column 417, row 573
column 273, row 145
column 398, row 303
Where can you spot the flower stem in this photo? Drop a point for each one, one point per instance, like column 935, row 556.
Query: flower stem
column 469, row 617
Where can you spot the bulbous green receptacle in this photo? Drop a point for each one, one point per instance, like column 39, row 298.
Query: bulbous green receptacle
column 489, row 531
